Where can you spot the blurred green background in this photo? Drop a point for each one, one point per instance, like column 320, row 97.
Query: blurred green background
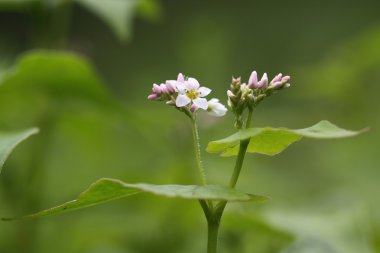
column 80, row 70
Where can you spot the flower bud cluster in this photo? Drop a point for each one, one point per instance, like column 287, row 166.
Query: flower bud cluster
column 162, row 91
column 242, row 95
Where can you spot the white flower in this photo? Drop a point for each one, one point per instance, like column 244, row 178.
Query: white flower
column 189, row 91
column 215, row 108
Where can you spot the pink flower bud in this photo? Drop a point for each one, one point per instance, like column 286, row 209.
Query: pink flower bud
column 170, row 88
column 181, row 78
column 263, row 83
column 230, row 94
column 285, row 79
column 193, row 108
column 277, row 78
column 156, row 89
column 163, row 88
column 252, row 82
column 276, row 85
column 287, row 85
column 152, row 97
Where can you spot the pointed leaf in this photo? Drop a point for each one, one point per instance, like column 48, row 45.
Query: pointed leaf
column 107, row 189
column 8, row 141
column 271, row 141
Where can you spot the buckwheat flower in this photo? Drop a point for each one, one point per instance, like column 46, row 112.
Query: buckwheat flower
column 153, row 97
column 280, row 82
column 230, row 94
column 193, row 108
column 181, row 78
column 276, row 78
column 253, row 82
column 173, row 83
column 190, row 92
column 157, row 92
column 263, row 83
column 215, row 108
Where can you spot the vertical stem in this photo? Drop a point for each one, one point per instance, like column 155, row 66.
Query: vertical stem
column 213, row 229
column 239, row 162
column 242, row 150
column 214, row 219
column 197, row 150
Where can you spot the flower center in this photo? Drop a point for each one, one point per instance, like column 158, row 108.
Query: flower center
column 192, row 94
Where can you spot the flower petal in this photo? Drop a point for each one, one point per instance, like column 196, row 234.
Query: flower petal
column 192, row 83
column 215, row 108
column 204, row 91
column 201, row 103
column 181, row 87
column 181, row 78
column 182, row 100
column 213, row 101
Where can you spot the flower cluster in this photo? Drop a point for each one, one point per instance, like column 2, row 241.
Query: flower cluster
column 242, row 95
column 187, row 95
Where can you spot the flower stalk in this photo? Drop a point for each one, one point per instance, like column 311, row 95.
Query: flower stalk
column 186, row 95
column 197, row 151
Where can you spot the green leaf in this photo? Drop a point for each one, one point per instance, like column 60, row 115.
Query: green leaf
column 271, row 141
column 8, row 141
column 107, row 189
column 118, row 14
column 58, row 74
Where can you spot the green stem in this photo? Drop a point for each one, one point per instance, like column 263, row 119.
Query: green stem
column 239, row 162
column 213, row 230
column 242, row 150
column 214, row 215
column 197, row 150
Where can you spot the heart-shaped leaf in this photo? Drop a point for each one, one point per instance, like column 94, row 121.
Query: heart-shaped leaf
column 8, row 141
column 107, row 189
column 271, row 141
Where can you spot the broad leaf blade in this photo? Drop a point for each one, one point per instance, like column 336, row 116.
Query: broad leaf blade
column 271, row 141
column 326, row 130
column 107, row 189
column 8, row 141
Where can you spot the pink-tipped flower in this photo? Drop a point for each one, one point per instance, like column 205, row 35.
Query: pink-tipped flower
column 171, row 85
column 230, row 94
column 253, row 82
column 163, row 88
column 193, row 108
column 180, row 78
column 152, row 97
column 191, row 92
column 279, row 82
column 263, row 83
column 157, row 92
column 285, row 79
column 276, row 78
column 170, row 88
column 157, row 89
